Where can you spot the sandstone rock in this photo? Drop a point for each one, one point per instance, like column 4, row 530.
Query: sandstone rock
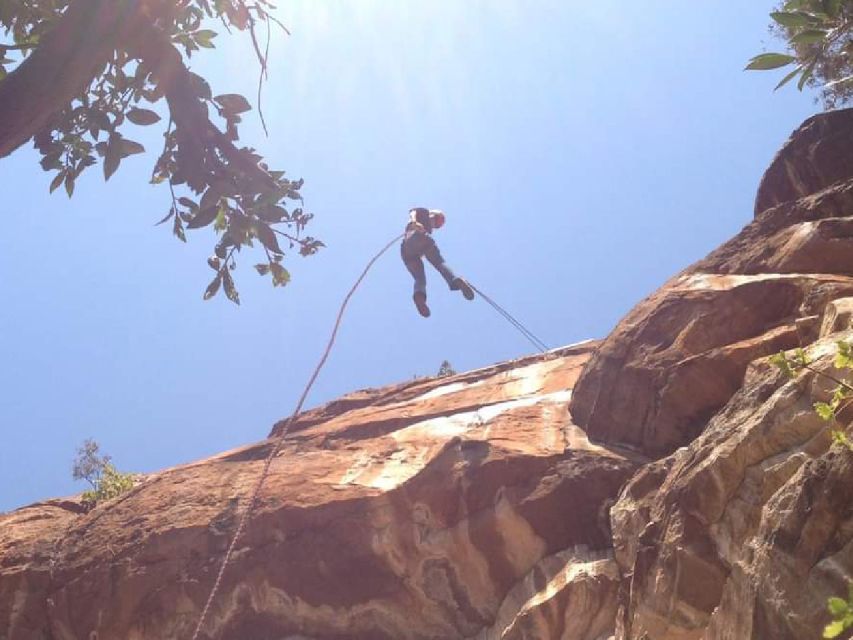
column 679, row 356
column 571, row 594
column 746, row 532
column 837, row 317
column 408, row 512
column 816, row 156
column 742, row 528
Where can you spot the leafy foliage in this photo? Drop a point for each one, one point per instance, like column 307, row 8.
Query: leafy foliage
column 841, row 397
column 842, row 614
column 791, row 364
column 820, row 48
column 446, row 369
column 227, row 188
column 107, row 482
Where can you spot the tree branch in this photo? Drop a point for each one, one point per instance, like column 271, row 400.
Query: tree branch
column 198, row 138
column 63, row 65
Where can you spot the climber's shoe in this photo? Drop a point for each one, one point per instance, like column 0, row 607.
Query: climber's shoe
column 464, row 287
column 420, row 302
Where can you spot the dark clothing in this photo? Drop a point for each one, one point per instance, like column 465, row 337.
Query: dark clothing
column 422, row 217
column 417, row 245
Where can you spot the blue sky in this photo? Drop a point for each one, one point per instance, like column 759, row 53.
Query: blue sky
column 583, row 152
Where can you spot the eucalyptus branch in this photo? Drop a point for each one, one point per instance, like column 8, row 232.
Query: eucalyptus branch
column 829, row 376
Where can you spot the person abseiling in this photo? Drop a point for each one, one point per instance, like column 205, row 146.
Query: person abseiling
column 418, row 244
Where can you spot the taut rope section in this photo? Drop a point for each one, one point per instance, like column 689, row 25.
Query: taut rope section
column 536, row 342
column 280, row 440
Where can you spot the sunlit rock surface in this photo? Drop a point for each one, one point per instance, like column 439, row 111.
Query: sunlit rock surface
column 816, row 156
column 665, row 484
column 748, row 531
column 743, row 525
column 461, row 507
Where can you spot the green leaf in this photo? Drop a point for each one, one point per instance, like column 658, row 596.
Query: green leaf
column 57, row 180
column 824, row 410
column 230, row 289
column 833, row 629
column 788, row 19
column 806, row 75
column 233, row 103
column 51, row 161
column 221, row 221
column 129, row 148
column 111, row 160
column 267, row 237
column 837, row 607
column 166, row 217
column 98, row 119
column 114, row 150
column 189, row 204
column 200, row 86
column 203, row 38
column 178, row 229
column 788, row 78
column 203, row 218
column 767, row 61
column 272, row 213
column 213, row 287
column 69, row 184
column 809, row 36
column 280, row 275
column 844, row 357
column 214, row 192
column 142, row 117
column 781, row 362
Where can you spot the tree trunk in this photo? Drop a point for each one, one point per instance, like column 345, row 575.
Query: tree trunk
column 63, row 66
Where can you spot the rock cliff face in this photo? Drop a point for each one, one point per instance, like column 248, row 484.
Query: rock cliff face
column 743, row 526
column 459, row 507
column 666, row 483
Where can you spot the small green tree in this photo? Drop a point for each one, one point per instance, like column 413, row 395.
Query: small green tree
column 446, row 369
column 106, row 481
column 818, row 38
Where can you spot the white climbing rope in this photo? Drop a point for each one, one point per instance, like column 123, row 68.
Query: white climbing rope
column 280, row 440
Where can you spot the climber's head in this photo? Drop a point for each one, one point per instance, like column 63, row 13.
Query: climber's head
column 437, row 219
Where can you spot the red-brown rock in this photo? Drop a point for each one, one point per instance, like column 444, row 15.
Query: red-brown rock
column 816, row 156
column 417, row 511
column 745, row 533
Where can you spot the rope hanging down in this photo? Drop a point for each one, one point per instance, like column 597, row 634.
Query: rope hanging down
column 277, row 446
column 286, row 428
column 536, row 342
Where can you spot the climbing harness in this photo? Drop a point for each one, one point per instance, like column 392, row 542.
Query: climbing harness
column 280, row 440
column 286, row 428
column 536, row 342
